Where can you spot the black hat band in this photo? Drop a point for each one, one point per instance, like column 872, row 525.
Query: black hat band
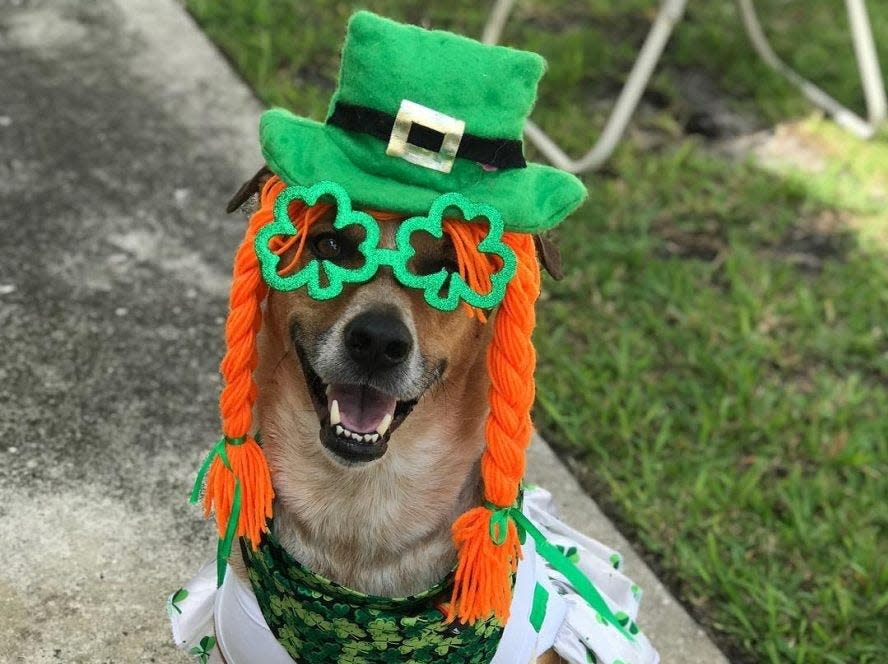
column 500, row 153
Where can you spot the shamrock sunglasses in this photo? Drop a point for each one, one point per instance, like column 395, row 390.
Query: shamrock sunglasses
column 443, row 289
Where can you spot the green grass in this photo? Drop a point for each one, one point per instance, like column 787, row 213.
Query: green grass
column 715, row 364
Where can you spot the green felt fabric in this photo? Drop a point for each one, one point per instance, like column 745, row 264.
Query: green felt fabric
column 490, row 88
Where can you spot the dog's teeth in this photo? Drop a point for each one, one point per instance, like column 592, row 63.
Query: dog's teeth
column 358, row 437
column 327, row 391
column 384, row 425
column 334, row 413
column 339, row 430
column 368, row 437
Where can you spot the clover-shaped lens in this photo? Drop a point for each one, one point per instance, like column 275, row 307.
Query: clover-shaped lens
column 311, row 274
column 443, row 289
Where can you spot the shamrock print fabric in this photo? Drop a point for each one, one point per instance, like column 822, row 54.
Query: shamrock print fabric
column 585, row 636
column 319, row 621
column 204, row 649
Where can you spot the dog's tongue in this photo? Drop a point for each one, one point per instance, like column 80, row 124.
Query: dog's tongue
column 361, row 408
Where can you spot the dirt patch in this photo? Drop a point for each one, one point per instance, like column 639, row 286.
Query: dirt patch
column 786, row 145
column 815, row 240
column 708, row 111
column 690, row 245
column 705, row 243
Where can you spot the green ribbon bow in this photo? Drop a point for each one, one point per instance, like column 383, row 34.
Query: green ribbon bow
column 499, row 523
column 223, row 548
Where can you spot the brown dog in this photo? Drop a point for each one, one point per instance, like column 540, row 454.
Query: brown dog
column 374, row 514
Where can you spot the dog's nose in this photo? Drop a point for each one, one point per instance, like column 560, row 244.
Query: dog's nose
column 378, row 340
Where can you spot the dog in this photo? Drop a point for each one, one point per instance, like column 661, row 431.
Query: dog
column 373, row 515
column 379, row 344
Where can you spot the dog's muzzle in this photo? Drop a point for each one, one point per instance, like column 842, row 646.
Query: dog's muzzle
column 357, row 400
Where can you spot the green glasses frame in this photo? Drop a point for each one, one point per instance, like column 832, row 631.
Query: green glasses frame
column 443, row 290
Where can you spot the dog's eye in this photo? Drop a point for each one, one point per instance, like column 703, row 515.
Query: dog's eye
column 332, row 247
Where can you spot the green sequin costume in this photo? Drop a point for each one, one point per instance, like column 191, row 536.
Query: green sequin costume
column 317, row 620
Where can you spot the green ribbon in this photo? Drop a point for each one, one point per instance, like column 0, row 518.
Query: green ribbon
column 499, row 522
column 217, row 450
column 223, row 548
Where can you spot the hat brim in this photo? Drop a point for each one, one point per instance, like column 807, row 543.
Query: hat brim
column 302, row 152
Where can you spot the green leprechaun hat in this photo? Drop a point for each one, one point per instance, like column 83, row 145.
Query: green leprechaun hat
column 419, row 113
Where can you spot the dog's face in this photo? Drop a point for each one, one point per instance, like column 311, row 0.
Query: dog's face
column 369, row 355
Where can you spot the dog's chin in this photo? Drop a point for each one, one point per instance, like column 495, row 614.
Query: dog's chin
column 356, row 430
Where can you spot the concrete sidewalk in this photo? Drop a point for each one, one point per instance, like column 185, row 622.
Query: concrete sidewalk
column 122, row 134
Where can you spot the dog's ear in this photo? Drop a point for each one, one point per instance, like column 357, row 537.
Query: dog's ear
column 248, row 189
column 549, row 255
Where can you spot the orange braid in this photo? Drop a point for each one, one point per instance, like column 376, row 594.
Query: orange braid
column 482, row 584
column 243, row 460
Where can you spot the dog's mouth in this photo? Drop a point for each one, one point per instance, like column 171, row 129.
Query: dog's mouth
column 356, row 420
